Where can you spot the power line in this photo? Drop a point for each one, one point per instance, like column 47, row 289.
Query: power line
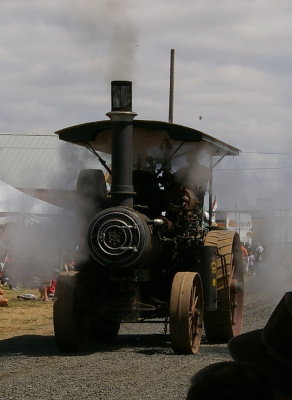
column 249, row 169
column 30, row 134
column 42, row 148
column 267, row 153
column 78, row 148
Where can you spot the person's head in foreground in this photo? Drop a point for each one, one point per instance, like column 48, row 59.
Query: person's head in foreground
column 270, row 349
column 229, row 380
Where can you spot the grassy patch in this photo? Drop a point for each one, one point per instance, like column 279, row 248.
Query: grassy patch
column 25, row 317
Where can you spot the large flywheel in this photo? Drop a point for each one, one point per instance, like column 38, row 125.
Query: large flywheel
column 225, row 322
column 186, row 312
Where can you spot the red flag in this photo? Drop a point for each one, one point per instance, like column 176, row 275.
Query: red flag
column 214, row 205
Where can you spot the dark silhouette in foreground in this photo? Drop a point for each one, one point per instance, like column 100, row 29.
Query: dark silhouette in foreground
column 270, row 349
column 229, row 380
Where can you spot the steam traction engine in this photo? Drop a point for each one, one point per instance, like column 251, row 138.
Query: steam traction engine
column 148, row 251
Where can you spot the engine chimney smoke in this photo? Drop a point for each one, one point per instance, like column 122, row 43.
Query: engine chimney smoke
column 122, row 190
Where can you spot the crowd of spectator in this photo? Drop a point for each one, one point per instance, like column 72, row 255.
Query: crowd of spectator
column 32, row 272
column 253, row 257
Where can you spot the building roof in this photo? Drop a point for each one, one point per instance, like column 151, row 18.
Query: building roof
column 42, row 161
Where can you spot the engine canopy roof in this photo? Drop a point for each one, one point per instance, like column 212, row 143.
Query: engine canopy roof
column 146, row 134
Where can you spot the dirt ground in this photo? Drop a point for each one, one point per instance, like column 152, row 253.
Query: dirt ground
column 140, row 365
column 25, row 316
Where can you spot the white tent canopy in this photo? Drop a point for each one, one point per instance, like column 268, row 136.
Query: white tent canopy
column 38, row 234
column 14, row 202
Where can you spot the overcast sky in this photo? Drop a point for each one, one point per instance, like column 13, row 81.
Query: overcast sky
column 233, row 67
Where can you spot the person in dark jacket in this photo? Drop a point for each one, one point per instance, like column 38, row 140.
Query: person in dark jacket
column 270, row 349
column 230, row 380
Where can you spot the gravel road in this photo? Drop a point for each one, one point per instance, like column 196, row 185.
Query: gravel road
column 141, row 365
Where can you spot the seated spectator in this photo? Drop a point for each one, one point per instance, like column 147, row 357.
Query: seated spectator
column 69, row 264
column 3, row 301
column 229, row 380
column 47, row 290
column 270, row 349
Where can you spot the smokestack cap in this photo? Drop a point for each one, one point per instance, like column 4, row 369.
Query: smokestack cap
column 121, row 95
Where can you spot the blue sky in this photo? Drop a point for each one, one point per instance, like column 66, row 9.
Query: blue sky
column 232, row 67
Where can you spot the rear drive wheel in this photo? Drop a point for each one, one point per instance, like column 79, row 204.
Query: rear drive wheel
column 225, row 322
column 186, row 312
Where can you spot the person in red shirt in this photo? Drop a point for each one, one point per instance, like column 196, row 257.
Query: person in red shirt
column 47, row 291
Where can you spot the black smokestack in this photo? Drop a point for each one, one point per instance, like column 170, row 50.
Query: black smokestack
column 122, row 160
column 121, row 95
